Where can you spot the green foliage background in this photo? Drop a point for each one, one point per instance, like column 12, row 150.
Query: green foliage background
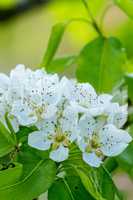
column 24, row 38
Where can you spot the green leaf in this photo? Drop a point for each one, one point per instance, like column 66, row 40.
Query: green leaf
column 54, row 41
column 11, row 175
column 129, row 82
column 126, row 6
column 97, row 181
column 101, row 63
column 59, row 191
column 59, row 65
column 107, row 186
column 69, row 188
column 9, row 125
column 125, row 160
column 6, row 141
column 89, row 184
column 75, row 164
column 37, row 177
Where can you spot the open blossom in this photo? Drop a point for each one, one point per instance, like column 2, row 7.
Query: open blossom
column 100, row 139
column 64, row 112
column 40, row 95
column 57, row 134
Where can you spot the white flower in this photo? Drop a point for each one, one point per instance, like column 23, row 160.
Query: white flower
column 57, row 133
column 108, row 141
column 39, row 100
column 63, row 111
column 81, row 93
column 4, row 83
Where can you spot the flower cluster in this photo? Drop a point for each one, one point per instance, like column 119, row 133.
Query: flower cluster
column 64, row 112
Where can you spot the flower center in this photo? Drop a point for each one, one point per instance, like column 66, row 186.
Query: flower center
column 94, row 145
column 39, row 111
column 60, row 138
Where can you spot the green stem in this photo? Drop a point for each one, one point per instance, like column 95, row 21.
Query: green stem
column 94, row 23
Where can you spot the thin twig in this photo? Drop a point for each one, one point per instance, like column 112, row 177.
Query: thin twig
column 91, row 16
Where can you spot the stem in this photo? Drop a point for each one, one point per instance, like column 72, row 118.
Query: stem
column 89, row 22
column 94, row 23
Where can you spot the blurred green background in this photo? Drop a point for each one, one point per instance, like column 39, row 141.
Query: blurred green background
column 24, row 36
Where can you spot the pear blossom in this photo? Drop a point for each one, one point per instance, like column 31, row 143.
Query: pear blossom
column 100, row 139
column 39, row 99
column 64, row 112
column 57, row 134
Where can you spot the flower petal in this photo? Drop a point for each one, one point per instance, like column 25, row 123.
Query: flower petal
column 113, row 141
column 69, row 122
column 92, row 159
column 37, row 140
column 83, row 93
column 103, row 101
column 4, row 82
column 24, row 114
column 59, row 154
column 87, row 125
column 118, row 115
column 47, row 125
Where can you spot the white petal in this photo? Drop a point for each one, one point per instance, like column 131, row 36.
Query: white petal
column 113, row 140
column 87, row 125
column 50, row 111
column 18, row 72
column 81, row 143
column 14, row 122
column 96, row 111
column 50, row 89
column 69, row 122
column 84, row 94
column 4, row 81
column 104, row 99
column 24, row 114
column 118, row 116
column 48, row 125
column 78, row 108
column 39, row 74
column 102, row 102
column 37, row 140
column 60, row 154
column 92, row 159
column 67, row 87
